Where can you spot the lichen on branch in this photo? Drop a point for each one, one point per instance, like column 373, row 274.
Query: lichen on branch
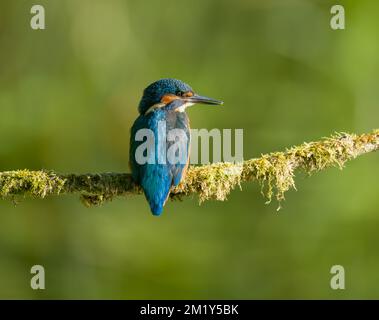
column 275, row 172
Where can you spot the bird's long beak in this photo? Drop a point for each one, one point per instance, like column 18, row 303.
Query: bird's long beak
column 203, row 100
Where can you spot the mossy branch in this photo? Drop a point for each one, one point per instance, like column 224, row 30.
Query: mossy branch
column 275, row 173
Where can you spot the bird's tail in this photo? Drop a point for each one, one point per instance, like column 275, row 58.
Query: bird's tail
column 156, row 184
column 156, row 208
column 157, row 196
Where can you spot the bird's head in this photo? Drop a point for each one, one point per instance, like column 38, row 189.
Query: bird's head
column 171, row 94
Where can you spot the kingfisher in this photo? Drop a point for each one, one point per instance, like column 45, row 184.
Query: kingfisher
column 154, row 164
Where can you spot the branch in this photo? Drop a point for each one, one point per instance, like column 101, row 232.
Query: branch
column 275, row 173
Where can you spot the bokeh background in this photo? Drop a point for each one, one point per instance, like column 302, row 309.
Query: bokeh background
column 68, row 96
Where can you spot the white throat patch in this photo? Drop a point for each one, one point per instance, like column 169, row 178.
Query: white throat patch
column 183, row 107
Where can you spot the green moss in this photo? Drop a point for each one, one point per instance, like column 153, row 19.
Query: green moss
column 275, row 172
column 213, row 181
column 95, row 189
column 94, row 199
column 34, row 183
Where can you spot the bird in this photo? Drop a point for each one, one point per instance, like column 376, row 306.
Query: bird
column 163, row 101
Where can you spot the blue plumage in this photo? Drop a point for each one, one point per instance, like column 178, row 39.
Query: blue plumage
column 162, row 111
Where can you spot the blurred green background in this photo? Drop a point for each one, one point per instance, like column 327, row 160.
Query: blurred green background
column 68, row 96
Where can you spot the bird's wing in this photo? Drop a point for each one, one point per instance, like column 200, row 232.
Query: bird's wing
column 179, row 170
column 156, row 179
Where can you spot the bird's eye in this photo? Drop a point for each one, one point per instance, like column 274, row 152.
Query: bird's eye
column 180, row 93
